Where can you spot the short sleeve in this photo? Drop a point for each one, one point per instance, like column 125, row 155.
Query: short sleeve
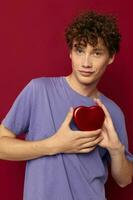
column 18, row 118
column 120, row 126
column 122, row 132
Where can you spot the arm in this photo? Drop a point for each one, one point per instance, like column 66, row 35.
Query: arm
column 64, row 140
column 12, row 148
column 121, row 168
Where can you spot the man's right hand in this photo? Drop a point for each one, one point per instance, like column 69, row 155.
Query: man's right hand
column 65, row 140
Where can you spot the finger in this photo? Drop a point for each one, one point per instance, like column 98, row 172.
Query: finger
column 85, row 140
column 98, row 101
column 92, row 143
column 86, row 150
column 68, row 117
column 88, row 134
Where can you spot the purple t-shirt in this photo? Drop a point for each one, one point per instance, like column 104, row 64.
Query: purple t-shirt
column 39, row 111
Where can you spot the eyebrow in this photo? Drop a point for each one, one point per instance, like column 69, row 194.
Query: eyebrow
column 77, row 46
column 99, row 49
column 94, row 49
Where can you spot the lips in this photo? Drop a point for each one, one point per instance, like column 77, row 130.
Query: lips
column 86, row 73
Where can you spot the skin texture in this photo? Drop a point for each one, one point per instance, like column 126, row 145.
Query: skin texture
column 93, row 59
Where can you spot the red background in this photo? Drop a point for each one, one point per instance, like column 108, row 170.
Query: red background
column 32, row 44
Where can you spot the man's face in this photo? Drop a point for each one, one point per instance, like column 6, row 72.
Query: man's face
column 89, row 63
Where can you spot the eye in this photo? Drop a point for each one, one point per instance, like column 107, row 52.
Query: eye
column 97, row 53
column 79, row 50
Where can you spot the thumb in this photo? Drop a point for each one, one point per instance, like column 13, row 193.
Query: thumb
column 68, row 116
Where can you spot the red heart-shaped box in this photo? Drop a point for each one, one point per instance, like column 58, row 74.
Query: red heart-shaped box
column 88, row 118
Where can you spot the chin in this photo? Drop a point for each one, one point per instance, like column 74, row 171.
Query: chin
column 85, row 80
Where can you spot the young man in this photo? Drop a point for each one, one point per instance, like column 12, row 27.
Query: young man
column 64, row 163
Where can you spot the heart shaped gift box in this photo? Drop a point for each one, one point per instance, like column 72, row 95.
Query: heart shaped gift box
column 88, row 118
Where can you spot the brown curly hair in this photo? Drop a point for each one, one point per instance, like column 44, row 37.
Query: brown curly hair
column 91, row 25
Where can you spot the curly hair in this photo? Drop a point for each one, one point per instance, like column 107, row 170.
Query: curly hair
column 91, row 25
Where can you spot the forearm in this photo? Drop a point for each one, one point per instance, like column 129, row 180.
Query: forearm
column 121, row 168
column 18, row 150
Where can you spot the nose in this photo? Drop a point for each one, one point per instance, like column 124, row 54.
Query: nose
column 87, row 63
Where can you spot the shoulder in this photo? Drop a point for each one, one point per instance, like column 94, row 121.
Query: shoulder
column 46, row 85
column 40, row 81
column 44, row 81
column 113, row 107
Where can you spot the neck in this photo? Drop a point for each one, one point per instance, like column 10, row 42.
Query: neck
column 89, row 90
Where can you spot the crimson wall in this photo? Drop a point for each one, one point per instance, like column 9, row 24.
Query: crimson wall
column 32, row 45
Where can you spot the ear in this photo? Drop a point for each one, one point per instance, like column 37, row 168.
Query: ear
column 111, row 59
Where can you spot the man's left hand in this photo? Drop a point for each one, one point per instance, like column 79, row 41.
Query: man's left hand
column 110, row 137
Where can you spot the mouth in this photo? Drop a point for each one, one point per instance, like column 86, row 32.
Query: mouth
column 86, row 73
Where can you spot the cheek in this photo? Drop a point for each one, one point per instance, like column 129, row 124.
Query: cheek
column 76, row 62
column 101, row 67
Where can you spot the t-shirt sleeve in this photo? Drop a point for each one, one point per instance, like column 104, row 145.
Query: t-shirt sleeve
column 18, row 118
column 120, row 126
column 122, row 132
